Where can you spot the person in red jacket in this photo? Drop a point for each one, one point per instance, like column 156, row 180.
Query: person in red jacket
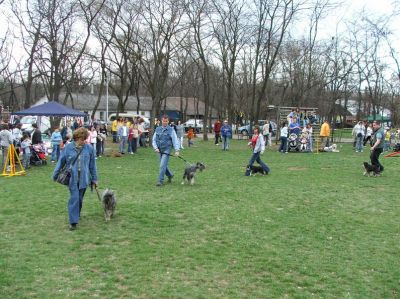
column 217, row 131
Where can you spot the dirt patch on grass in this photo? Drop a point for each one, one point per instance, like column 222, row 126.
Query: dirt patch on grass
column 297, row 168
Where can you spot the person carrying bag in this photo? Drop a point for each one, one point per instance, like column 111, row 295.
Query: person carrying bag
column 78, row 159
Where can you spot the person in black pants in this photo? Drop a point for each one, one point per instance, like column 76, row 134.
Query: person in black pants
column 377, row 147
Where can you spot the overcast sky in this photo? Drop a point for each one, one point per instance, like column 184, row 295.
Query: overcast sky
column 349, row 10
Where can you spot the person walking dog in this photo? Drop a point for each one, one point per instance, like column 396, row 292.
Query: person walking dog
column 164, row 139
column 80, row 157
column 258, row 145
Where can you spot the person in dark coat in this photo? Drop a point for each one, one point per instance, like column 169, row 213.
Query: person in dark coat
column 36, row 135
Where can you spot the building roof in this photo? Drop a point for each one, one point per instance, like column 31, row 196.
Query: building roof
column 86, row 102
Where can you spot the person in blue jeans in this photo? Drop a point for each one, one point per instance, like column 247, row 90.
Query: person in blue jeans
column 55, row 140
column 283, row 148
column 164, row 139
column 226, row 133
column 258, row 146
column 80, row 158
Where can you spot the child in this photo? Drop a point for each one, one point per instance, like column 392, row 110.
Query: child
column 284, row 134
column 25, row 145
column 55, row 139
column 386, row 144
column 190, row 136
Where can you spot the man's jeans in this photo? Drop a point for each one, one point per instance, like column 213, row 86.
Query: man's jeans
column 164, row 170
column 225, row 146
column 122, row 143
column 359, row 143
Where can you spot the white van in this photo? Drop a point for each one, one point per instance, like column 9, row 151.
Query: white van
column 129, row 117
column 43, row 123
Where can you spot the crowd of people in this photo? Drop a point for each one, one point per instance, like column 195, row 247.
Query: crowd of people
column 362, row 134
column 72, row 142
column 130, row 134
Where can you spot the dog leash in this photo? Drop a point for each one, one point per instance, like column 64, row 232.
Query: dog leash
column 97, row 190
column 177, row 157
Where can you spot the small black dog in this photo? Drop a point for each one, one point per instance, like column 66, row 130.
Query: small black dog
column 109, row 202
column 370, row 169
column 253, row 169
column 190, row 172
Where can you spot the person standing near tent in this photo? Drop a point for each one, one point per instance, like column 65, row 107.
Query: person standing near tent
column 56, row 140
column 36, row 135
column 6, row 140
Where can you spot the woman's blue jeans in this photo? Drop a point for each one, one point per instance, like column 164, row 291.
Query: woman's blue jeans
column 55, row 153
column 256, row 158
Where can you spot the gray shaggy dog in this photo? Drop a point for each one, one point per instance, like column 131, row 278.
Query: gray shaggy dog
column 109, row 202
column 190, row 172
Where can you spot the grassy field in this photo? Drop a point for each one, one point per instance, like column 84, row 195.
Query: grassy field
column 315, row 227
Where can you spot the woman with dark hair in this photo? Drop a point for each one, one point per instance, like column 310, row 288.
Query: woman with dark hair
column 80, row 158
column 258, row 146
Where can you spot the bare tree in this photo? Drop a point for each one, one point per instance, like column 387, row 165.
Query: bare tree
column 159, row 42
column 54, row 40
column 119, row 42
column 198, row 12
column 230, row 31
column 271, row 23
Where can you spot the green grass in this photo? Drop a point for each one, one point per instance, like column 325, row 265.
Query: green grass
column 314, row 227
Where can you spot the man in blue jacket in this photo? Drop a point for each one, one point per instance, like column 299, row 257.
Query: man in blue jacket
column 164, row 139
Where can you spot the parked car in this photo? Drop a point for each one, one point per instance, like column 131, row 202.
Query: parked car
column 245, row 130
column 43, row 123
column 196, row 124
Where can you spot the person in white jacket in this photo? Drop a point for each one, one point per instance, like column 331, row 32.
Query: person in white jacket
column 258, row 146
column 358, row 134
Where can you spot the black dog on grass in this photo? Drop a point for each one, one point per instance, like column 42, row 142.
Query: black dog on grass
column 371, row 169
column 253, row 169
column 190, row 172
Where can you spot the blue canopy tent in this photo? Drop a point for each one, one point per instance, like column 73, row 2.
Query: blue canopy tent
column 50, row 109
column 41, row 115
